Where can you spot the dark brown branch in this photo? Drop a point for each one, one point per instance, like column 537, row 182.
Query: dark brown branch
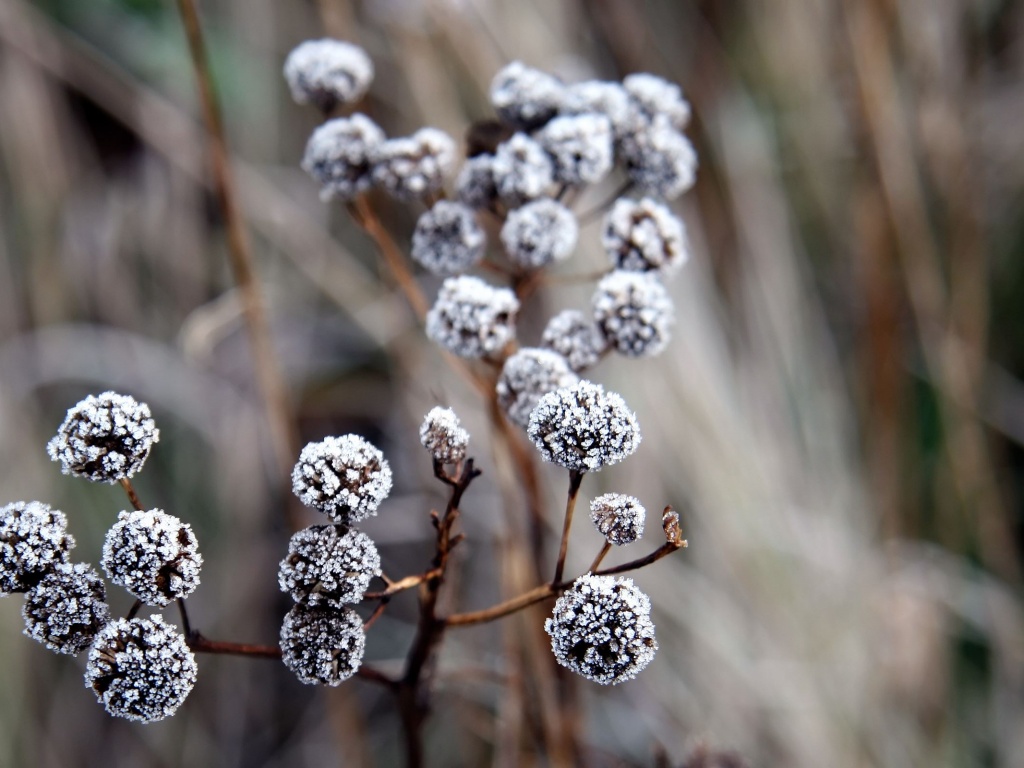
column 575, row 480
column 132, row 496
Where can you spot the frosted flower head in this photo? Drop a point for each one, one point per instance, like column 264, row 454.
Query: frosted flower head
column 644, row 236
column 539, row 233
column 327, row 566
column 140, row 669
column 601, row 629
column 33, row 541
column 659, row 159
column 322, row 646
column 67, row 608
column 344, row 477
column 525, row 97
column 447, row 239
column 601, row 97
column 522, row 170
column 474, row 185
column 581, row 147
column 575, row 337
column 583, row 428
column 104, row 438
column 338, row 156
column 328, row 72
column 618, row 517
column 413, row 166
column 153, row 555
column 654, row 97
column 441, row 434
column 634, row 312
column 471, row 318
column 527, row 376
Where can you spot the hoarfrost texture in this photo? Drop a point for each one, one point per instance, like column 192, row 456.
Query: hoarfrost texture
column 67, row 608
column 441, row 434
column 539, row 233
column 33, row 540
column 644, row 235
column 604, row 98
column 522, row 170
column 104, row 438
column 601, row 629
column 153, row 555
column 338, row 156
column 583, row 428
column 140, row 669
column 474, row 185
column 527, row 376
column 447, row 239
column 575, row 337
column 471, row 318
column 618, row 517
column 322, row 646
column 634, row 312
column 328, row 567
column 411, row 167
column 525, row 97
column 328, row 72
column 659, row 159
column 655, row 97
column 581, row 147
column 344, row 477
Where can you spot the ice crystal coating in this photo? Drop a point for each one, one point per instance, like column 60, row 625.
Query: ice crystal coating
column 527, row 376
column 619, row 518
column 604, row 98
column 601, row 629
column 634, row 312
column 140, row 669
column 474, row 185
column 328, row 72
column 344, row 477
column 539, row 233
column 322, row 646
column 659, row 159
column 67, row 608
column 441, row 434
column 644, row 235
column 447, row 239
column 471, row 318
column 153, row 555
column 522, row 170
column 413, row 166
column 327, row 566
column 104, row 438
column 33, row 541
column 575, row 337
column 338, row 156
column 525, row 97
column 581, row 147
column 653, row 96
column 583, row 428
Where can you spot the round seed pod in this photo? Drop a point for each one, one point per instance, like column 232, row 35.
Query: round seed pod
column 447, row 239
column 653, row 97
column 338, row 156
column 525, row 97
column 527, row 376
column 580, row 146
column 414, row 166
column 634, row 312
column 618, row 517
column 644, row 236
column 522, row 170
column 575, row 337
column 344, row 477
column 33, row 541
column 471, row 318
column 322, row 646
column 327, row 566
column 67, row 608
column 442, row 436
column 328, row 72
column 659, row 159
column 539, row 233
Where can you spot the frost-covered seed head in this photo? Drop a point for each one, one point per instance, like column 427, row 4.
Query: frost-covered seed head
column 475, row 183
column 522, row 170
column 322, row 646
column 583, row 428
column 447, row 239
column 581, row 146
column 659, row 159
column 33, row 540
column 619, row 518
column 539, row 233
column 413, row 166
column 140, row 669
column 653, row 96
column 327, row 566
column 67, row 608
column 527, row 376
column 634, row 312
column 344, row 477
column 328, row 72
column 643, row 236
column 601, row 629
column 338, row 156
column 153, row 555
column 441, row 434
column 471, row 318
column 575, row 337
column 601, row 97
column 525, row 97
column 104, row 438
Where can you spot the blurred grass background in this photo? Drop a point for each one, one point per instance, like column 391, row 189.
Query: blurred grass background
column 840, row 417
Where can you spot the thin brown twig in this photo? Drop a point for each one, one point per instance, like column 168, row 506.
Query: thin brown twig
column 575, row 480
column 132, row 496
column 408, row 582
column 600, row 556
column 376, row 614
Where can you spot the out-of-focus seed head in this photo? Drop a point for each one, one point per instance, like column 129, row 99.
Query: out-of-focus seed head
column 33, row 541
column 441, row 434
column 474, row 185
column 338, row 156
column 604, row 98
column 522, row 170
column 539, row 233
column 601, row 629
column 471, row 318
column 104, row 438
column 524, row 97
column 328, row 72
column 140, row 669
column 583, row 428
column 414, row 166
column 344, row 477
column 575, row 337
column 659, row 159
column 581, row 147
column 328, row 567
column 67, row 608
column 153, row 555
column 634, row 312
column 619, row 518
column 527, row 376
column 654, row 97
column 644, row 236
column 447, row 239
column 322, row 646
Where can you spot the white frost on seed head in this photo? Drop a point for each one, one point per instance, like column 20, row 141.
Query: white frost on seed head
column 522, row 170
column 67, row 608
column 344, row 477
column 329, row 567
column 539, row 233
column 442, row 436
column 634, row 312
column 618, row 517
column 575, row 337
column 525, row 97
column 601, row 97
column 659, row 159
column 643, row 236
column 33, row 540
column 322, row 646
column 654, row 97
column 447, row 239
column 581, row 147
column 527, row 376
column 338, row 156
column 328, row 72
column 471, row 318
column 413, row 166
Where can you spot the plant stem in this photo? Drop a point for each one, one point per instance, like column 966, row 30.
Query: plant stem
column 600, row 556
column 132, row 496
column 200, row 644
column 575, row 479
column 394, row 587
column 134, row 610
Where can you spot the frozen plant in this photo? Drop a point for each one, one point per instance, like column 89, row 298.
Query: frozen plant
column 344, row 477
column 527, row 376
column 634, row 312
column 442, row 436
column 322, row 646
column 618, row 517
column 471, row 318
column 414, row 166
column 338, row 155
column 447, row 239
column 644, row 236
column 328, row 566
column 653, row 96
column 328, row 72
column 33, row 541
column 522, row 170
column 575, row 337
column 475, row 186
column 603, row 98
column 659, row 159
column 580, row 146
column 67, row 608
column 539, row 233
column 525, row 97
